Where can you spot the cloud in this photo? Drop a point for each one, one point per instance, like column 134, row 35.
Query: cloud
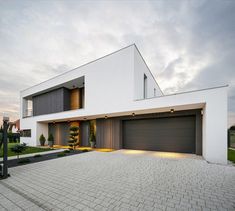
column 187, row 44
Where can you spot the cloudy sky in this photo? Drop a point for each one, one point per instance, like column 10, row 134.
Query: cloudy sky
column 187, row 44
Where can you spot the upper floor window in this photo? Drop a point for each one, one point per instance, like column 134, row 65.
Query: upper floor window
column 145, row 86
column 27, row 107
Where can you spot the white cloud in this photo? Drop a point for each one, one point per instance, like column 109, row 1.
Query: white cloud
column 181, row 41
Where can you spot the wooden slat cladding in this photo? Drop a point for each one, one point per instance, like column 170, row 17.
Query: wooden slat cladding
column 74, row 99
column 77, row 98
column 60, row 132
column 108, row 133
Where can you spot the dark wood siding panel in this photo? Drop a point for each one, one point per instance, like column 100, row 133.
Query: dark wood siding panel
column 66, row 100
column 60, row 132
column 108, row 133
column 52, row 102
column 84, row 133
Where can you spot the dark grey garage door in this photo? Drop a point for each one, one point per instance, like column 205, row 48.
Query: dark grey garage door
column 174, row 134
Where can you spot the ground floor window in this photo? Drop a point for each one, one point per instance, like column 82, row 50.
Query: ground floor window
column 25, row 133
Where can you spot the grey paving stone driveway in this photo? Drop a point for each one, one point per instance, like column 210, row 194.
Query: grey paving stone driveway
column 121, row 180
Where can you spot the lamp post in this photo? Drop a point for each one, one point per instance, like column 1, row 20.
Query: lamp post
column 5, row 165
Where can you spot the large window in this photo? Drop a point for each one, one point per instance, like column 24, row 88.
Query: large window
column 25, row 133
column 145, row 86
column 27, row 107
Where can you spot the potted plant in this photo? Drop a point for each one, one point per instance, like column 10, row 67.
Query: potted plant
column 42, row 140
column 50, row 140
column 92, row 140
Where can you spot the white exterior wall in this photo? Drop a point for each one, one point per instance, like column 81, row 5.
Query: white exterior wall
column 108, row 82
column 215, row 127
column 29, row 123
column 42, row 128
column 110, row 89
column 140, row 69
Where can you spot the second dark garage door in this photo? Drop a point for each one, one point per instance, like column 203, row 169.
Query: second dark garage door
column 171, row 134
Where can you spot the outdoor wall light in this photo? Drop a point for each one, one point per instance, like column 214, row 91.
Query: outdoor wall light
column 133, row 114
column 53, row 122
column 106, row 117
column 84, row 118
column 172, row 110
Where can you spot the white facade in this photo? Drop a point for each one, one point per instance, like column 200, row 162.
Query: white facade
column 114, row 86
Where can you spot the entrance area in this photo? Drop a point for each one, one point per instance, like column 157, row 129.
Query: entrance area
column 61, row 132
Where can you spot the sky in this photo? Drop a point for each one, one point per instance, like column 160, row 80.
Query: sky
column 188, row 45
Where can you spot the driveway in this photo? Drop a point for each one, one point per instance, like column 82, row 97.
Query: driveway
column 120, row 180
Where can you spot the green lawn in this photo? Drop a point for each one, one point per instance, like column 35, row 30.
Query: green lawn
column 231, row 155
column 27, row 151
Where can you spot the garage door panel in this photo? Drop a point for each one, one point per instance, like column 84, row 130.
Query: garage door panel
column 175, row 134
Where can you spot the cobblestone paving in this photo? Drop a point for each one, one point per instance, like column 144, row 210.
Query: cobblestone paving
column 120, row 180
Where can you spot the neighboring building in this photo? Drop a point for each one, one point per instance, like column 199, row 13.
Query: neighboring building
column 15, row 126
column 120, row 96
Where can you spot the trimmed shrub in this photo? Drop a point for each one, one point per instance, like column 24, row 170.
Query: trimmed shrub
column 42, row 140
column 74, row 132
column 62, row 154
column 18, row 149
column 50, row 140
column 24, row 161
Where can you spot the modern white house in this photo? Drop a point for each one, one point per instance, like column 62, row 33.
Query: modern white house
column 119, row 97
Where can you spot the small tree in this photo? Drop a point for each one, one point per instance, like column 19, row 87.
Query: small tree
column 50, row 140
column 74, row 132
column 18, row 149
column 42, row 140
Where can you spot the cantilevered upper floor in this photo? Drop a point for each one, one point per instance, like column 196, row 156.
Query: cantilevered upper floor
column 110, row 82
